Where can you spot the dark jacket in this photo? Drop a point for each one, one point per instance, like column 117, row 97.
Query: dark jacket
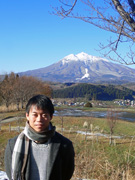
column 60, row 165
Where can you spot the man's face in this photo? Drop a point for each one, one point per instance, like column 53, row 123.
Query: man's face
column 38, row 119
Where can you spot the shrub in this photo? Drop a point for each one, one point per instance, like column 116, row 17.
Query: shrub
column 88, row 104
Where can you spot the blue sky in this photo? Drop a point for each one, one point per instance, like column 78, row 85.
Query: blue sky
column 31, row 37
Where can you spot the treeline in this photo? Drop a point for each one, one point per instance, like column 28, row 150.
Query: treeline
column 95, row 92
column 17, row 90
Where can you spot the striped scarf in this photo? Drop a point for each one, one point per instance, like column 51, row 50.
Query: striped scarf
column 20, row 151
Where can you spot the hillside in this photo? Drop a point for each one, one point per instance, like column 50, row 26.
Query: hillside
column 96, row 92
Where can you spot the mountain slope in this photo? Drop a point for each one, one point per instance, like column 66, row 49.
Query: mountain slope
column 83, row 68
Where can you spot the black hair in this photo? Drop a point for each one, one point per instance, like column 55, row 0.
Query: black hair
column 42, row 102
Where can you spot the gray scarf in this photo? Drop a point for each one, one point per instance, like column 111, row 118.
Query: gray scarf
column 20, row 151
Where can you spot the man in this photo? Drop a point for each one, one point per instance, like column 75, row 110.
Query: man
column 39, row 152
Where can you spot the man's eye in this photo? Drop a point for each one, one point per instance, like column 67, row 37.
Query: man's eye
column 44, row 115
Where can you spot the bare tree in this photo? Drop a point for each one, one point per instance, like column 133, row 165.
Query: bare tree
column 47, row 90
column 15, row 89
column 111, row 120
column 27, row 87
column 6, row 88
column 16, row 92
column 116, row 16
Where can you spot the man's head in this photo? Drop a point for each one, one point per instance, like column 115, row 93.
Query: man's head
column 41, row 102
column 39, row 112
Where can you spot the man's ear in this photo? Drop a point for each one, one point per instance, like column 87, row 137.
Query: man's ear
column 27, row 116
column 51, row 117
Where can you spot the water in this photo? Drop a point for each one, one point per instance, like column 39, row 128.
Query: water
column 126, row 116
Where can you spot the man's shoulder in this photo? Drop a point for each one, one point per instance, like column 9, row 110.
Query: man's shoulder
column 13, row 140
column 11, row 143
column 66, row 144
column 62, row 138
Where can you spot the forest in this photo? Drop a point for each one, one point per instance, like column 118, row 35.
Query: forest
column 94, row 92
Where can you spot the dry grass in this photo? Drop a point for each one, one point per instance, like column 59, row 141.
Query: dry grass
column 97, row 160
column 94, row 157
column 3, row 108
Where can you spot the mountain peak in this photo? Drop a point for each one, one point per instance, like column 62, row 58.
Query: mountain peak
column 81, row 57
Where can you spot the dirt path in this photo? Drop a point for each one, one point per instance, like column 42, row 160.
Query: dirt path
column 10, row 119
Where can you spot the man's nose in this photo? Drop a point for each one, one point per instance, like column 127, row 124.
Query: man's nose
column 39, row 118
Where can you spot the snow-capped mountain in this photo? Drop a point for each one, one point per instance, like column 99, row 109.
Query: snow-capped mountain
column 81, row 57
column 83, row 68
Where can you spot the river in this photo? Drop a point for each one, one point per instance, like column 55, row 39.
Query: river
column 126, row 116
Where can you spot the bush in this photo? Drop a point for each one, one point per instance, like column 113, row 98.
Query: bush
column 88, row 104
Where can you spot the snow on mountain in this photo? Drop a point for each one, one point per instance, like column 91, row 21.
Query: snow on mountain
column 82, row 57
column 86, row 75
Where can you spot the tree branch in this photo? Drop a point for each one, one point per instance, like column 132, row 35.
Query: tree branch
column 116, row 16
column 119, row 35
column 67, row 12
column 132, row 5
column 124, row 14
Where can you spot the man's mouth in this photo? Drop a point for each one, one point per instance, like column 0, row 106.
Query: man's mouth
column 39, row 125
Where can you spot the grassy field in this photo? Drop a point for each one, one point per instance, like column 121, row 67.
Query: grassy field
column 95, row 157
